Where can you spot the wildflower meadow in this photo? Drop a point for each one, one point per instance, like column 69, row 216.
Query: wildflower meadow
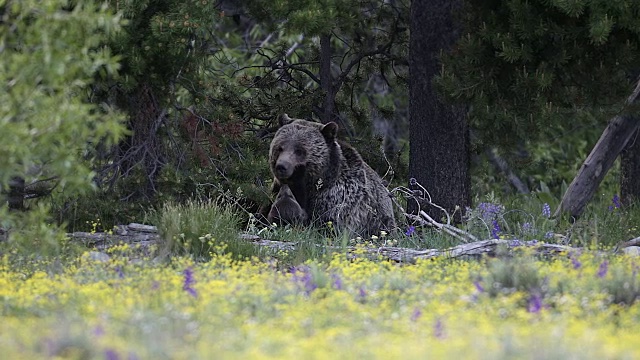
column 571, row 306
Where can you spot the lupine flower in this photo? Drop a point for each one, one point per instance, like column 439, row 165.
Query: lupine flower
column 189, row 281
column 362, row 293
column 111, row 355
column 305, row 278
column 495, row 231
column 337, row 282
column 119, row 271
column 478, row 286
column 527, row 228
column 576, row 263
column 546, row 210
column 548, row 235
column 98, row 330
column 410, row 230
column 490, row 211
column 416, row 314
column 603, row 269
column 535, row 304
column 616, row 203
column 438, row 329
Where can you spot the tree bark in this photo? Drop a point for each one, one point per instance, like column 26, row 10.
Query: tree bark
column 15, row 197
column 630, row 170
column 439, row 136
column 612, row 141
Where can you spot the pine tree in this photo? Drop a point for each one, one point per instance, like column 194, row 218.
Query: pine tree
column 533, row 69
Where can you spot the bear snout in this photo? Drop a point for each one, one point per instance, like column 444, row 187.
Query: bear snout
column 283, row 170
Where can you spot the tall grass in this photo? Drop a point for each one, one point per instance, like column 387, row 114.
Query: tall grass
column 199, row 228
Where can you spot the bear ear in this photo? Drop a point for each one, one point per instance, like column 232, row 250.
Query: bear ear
column 284, row 119
column 330, row 131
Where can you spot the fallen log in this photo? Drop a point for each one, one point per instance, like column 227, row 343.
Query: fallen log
column 406, row 255
column 145, row 235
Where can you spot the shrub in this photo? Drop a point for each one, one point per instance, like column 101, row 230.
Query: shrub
column 51, row 52
column 507, row 275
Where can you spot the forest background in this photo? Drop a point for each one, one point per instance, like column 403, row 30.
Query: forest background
column 109, row 110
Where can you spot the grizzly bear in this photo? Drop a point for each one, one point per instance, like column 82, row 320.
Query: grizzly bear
column 286, row 209
column 328, row 178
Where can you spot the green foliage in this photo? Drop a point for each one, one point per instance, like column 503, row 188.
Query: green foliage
column 223, row 84
column 546, row 73
column 200, row 228
column 603, row 224
column 51, row 51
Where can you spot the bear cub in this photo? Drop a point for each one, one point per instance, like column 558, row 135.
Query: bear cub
column 285, row 209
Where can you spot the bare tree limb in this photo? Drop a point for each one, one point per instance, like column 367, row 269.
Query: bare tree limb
column 503, row 167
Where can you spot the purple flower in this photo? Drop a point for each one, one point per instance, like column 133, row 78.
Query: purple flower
column 119, row 272
column 438, row 329
column 495, row 231
column 527, row 228
column 616, row 203
column 302, row 275
column 189, row 281
column 98, row 330
column 548, row 235
column 362, row 293
column 410, row 230
column 576, row 263
column 478, row 286
column 111, row 355
column 416, row 314
column 535, row 304
column 337, row 282
column 490, row 211
column 603, row 269
column 546, row 210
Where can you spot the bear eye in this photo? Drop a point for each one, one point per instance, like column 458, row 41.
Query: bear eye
column 299, row 152
column 279, row 149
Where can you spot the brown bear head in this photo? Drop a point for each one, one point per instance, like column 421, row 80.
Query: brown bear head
column 302, row 147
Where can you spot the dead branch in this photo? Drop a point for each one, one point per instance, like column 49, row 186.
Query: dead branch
column 146, row 235
column 423, row 219
column 405, row 255
column 502, row 166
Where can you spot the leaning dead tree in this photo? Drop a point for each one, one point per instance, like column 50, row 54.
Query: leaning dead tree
column 611, row 143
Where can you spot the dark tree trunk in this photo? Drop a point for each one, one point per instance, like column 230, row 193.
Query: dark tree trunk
column 143, row 147
column 16, row 193
column 439, row 136
column 630, row 170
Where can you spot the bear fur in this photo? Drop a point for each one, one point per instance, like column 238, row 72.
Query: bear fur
column 329, row 179
column 286, row 209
